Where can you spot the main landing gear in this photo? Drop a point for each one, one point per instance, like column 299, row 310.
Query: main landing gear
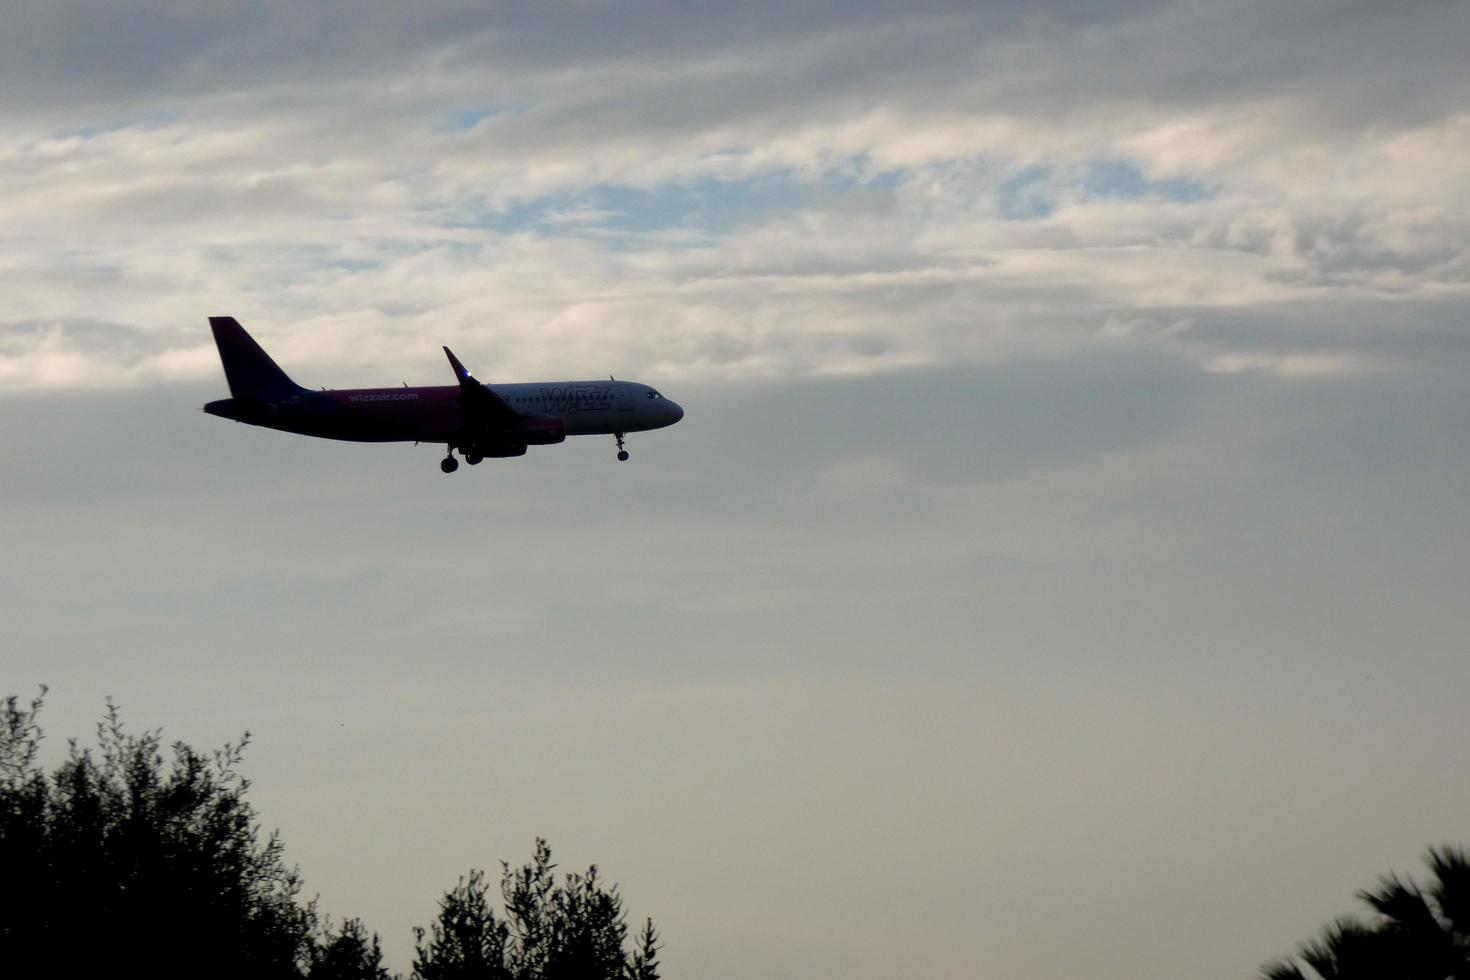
column 622, row 453
column 449, row 464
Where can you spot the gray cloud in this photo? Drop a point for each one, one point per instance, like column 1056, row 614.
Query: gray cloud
column 656, row 69
column 958, row 425
column 113, row 341
column 1106, row 562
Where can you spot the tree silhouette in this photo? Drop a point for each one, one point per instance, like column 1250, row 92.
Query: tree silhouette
column 116, row 857
column 350, row 954
column 464, row 942
column 572, row 930
column 1416, row 934
column 118, row 862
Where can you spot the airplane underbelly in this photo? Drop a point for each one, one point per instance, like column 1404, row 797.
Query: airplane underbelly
column 373, row 424
column 603, row 423
column 587, row 424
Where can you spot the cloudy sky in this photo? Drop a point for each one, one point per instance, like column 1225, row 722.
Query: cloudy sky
column 1060, row 570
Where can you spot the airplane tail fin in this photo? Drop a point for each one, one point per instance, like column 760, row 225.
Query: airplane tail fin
column 249, row 369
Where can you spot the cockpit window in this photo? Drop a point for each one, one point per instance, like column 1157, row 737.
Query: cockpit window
column 653, row 394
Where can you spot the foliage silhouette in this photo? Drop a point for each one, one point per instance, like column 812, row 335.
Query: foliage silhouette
column 349, row 954
column 119, row 862
column 1417, row 933
column 573, row 930
column 116, row 857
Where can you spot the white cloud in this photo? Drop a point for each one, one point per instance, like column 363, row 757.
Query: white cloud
column 863, row 168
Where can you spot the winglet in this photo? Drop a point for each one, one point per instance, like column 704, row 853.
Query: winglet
column 460, row 371
column 477, row 397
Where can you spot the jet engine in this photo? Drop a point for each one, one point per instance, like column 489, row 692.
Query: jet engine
column 502, row 450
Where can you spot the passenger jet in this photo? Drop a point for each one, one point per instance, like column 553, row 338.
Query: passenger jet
column 478, row 420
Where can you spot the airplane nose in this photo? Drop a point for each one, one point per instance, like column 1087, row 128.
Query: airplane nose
column 675, row 412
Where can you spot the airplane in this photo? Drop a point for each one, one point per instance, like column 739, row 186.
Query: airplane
column 479, row 420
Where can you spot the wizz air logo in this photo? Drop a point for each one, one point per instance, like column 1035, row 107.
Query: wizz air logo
column 569, row 401
column 385, row 396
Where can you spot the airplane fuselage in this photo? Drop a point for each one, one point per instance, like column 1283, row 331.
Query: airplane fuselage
column 477, row 419
column 435, row 413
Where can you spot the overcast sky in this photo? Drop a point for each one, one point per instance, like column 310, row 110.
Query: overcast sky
column 1060, row 570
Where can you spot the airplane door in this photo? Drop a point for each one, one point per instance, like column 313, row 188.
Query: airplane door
column 622, row 398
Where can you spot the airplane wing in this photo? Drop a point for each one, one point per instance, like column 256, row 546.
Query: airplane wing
column 481, row 405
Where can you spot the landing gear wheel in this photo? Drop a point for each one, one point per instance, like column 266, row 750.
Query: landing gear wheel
column 473, row 459
column 449, row 464
column 622, row 453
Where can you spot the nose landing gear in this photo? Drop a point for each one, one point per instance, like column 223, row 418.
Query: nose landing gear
column 622, row 453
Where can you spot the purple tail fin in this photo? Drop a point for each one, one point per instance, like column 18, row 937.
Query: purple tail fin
column 249, row 370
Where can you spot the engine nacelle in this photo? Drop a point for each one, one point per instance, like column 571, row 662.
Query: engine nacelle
column 541, row 430
column 505, row 450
